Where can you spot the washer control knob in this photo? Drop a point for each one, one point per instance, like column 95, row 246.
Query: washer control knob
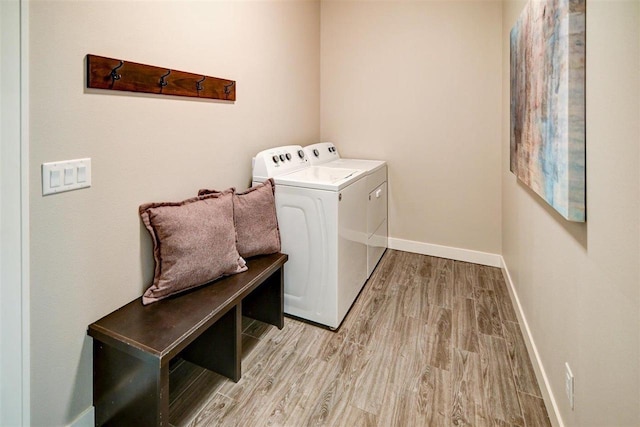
column 275, row 159
column 301, row 154
column 288, row 156
column 316, row 152
column 282, row 157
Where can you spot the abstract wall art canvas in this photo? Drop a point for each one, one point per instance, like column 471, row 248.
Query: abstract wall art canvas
column 548, row 103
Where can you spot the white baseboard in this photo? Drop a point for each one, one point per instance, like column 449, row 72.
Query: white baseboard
column 541, row 375
column 467, row 255
column 86, row 419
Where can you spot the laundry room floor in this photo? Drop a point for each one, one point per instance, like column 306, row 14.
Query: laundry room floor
column 429, row 342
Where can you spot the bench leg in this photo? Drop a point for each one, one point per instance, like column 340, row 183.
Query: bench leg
column 219, row 348
column 266, row 302
column 128, row 390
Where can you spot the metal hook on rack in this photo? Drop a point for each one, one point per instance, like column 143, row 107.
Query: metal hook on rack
column 227, row 88
column 163, row 82
column 114, row 72
column 199, row 86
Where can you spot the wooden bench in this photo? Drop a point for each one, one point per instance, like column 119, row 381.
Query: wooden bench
column 132, row 346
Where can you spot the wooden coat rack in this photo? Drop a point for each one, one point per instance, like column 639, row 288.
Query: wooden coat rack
column 115, row 74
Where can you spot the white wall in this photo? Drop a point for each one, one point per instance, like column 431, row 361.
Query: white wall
column 11, row 316
column 579, row 284
column 90, row 253
column 418, row 83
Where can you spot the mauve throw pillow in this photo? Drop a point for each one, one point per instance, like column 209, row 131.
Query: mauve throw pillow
column 194, row 242
column 254, row 213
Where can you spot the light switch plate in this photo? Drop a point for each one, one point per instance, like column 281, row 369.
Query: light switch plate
column 569, row 384
column 65, row 175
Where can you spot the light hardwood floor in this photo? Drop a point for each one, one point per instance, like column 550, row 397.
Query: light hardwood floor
column 429, row 342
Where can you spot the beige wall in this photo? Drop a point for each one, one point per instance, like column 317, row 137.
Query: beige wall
column 423, row 85
column 89, row 253
column 418, row 84
column 579, row 284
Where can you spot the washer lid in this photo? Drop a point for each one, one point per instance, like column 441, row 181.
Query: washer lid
column 321, row 178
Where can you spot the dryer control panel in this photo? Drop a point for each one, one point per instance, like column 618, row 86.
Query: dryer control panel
column 321, row 152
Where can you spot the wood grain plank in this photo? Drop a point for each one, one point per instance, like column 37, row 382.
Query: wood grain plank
column 368, row 318
column 441, row 288
column 257, row 360
column 487, row 271
column 246, row 322
column 433, row 396
column 523, row 373
column 318, row 342
column 375, row 379
column 383, row 273
column 421, row 281
column 267, row 388
column 425, row 270
column 188, row 404
column 404, row 271
column 356, row 417
column 426, row 406
column 249, row 343
column 278, row 392
column 500, row 396
column 411, row 300
column 437, row 338
column 534, row 411
column 181, row 376
column 309, row 392
column 465, row 279
column 254, row 328
column 409, row 361
column 283, row 410
column 486, row 282
column 392, row 312
column 464, row 328
column 466, row 389
column 269, row 342
column 327, row 396
column 442, row 263
column 487, row 314
column 213, row 413
column 341, row 389
column 503, row 299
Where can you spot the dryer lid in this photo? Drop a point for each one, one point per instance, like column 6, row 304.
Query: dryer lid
column 369, row 166
column 326, row 154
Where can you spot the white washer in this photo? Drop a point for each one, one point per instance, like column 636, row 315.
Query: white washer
column 325, row 154
column 321, row 228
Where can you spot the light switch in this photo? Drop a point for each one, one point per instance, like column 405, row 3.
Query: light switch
column 82, row 173
column 54, row 178
column 68, row 176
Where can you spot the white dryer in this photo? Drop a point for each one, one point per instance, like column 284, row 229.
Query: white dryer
column 325, row 154
column 321, row 229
